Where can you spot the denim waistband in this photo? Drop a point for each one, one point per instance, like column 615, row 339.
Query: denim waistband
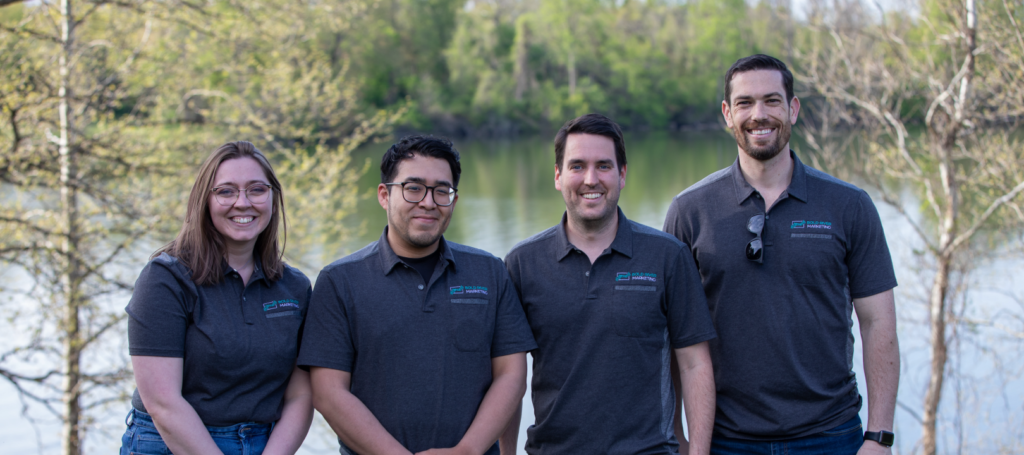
column 138, row 417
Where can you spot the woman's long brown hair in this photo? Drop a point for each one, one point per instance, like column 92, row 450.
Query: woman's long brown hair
column 201, row 247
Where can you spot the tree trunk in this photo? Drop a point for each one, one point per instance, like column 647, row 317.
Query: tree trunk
column 70, row 276
column 944, row 138
column 571, row 67
column 937, row 373
column 521, row 73
column 944, row 141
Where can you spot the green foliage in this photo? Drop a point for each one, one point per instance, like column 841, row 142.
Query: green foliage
column 647, row 64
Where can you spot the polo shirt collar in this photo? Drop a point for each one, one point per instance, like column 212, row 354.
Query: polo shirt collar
column 389, row 260
column 622, row 244
column 797, row 186
column 257, row 270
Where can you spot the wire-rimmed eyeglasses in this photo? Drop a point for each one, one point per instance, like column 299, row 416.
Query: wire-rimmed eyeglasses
column 755, row 248
column 257, row 193
column 414, row 192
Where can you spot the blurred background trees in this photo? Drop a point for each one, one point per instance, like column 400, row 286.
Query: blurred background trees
column 106, row 108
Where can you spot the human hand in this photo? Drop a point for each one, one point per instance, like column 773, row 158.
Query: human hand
column 874, row 448
column 452, row 451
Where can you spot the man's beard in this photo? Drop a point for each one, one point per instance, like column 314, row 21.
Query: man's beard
column 763, row 152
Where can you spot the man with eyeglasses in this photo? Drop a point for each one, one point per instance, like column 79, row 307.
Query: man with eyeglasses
column 416, row 344
column 612, row 302
column 786, row 253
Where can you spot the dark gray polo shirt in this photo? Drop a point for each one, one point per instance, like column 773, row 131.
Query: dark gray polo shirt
column 419, row 353
column 601, row 375
column 784, row 354
column 239, row 343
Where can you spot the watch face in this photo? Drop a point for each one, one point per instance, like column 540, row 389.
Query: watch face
column 887, row 438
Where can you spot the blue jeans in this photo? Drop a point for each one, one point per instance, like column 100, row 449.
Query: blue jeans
column 141, row 437
column 844, row 439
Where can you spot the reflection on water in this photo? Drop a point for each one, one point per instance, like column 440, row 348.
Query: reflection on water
column 507, row 191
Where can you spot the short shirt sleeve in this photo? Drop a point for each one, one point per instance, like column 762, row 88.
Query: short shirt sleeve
column 326, row 335
column 512, row 332
column 689, row 319
column 677, row 224
column 867, row 257
column 159, row 309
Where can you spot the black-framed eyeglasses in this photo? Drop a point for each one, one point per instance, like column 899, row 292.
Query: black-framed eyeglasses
column 414, row 192
column 755, row 248
column 257, row 193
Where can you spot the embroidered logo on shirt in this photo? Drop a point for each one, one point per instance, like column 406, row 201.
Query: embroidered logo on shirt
column 635, row 276
column 468, row 290
column 802, row 224
column 288, row 303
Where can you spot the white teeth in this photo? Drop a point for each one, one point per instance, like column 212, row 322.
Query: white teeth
column 591, row 195
column 759, row 132
column 242, row 220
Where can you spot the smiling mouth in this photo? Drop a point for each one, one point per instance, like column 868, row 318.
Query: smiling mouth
column 591, row 195
column 761, row 132
column 243, row 219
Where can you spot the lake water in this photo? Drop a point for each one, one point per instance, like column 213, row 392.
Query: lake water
column 507, row 194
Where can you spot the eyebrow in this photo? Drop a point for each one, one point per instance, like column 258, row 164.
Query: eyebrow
column 423, row 181
column 751, row 97
column 247, row 184
column 579, row 161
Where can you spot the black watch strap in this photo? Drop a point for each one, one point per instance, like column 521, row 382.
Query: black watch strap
column 885, row 438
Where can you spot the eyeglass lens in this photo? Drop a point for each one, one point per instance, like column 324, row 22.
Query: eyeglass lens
column 755, row 248
column 256, row 193
column 443, row 195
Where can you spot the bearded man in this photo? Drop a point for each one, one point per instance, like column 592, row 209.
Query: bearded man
column 786, row 253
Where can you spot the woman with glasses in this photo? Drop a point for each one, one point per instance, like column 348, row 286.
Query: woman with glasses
column 214, row 322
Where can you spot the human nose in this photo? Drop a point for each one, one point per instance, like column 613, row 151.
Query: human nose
column 242, row 200
column 590, row 177
column 760, row 111
column 429, row 196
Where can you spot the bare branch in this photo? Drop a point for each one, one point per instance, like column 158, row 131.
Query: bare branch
column 966, row 235
column 22, row 31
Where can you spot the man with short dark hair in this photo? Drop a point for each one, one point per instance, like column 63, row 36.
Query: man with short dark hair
column 786, row 253
column 416, row 344
column 610, row 302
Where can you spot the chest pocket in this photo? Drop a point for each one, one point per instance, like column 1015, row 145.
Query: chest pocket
column 812, row 256
column 469, row 328
column 637, row 311
column 282, row 320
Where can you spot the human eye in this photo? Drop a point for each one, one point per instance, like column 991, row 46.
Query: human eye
column 413, row 187
column 442, row 190
column 225, row 191
column 258, row 189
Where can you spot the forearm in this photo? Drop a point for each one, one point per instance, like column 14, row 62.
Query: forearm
column 355, row 425
column 181, row 428
column 296, row 416
column 677, row 422
column 359, row 429
column 882, row 373
column 509, row 440
column 697, row 379
column 502, row 400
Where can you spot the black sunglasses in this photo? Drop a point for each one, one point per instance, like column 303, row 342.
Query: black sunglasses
column 755, row 248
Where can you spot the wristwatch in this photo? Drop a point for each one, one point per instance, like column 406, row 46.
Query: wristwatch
column 885, row 438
